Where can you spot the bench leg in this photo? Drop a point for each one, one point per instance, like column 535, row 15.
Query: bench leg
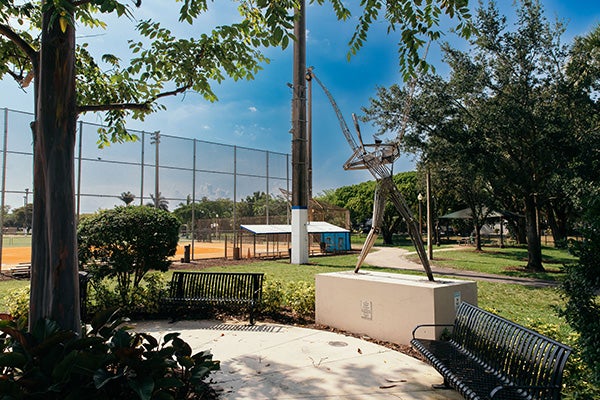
column 251, row 315
column 442, row 386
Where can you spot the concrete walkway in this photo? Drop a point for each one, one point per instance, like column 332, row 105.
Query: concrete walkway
column 270, row 361
column 392, row 257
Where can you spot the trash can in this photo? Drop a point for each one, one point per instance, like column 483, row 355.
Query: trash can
column 236, row 253
column 186, row 253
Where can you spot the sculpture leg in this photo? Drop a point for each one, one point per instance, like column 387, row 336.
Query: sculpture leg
column 413, row 228
column 378, row 209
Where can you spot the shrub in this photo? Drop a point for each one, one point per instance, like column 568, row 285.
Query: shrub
column 297, row 297
column 125, row 243
column 144, row 299
column 106, row 362
column 18, row 304
column 273, row 296
column 300, row 297
column 576, row 378
column 581, row 287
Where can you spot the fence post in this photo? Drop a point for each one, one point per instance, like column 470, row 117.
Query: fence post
column 193, row 227
column 79, row 170
column 4, row 185
column 142, row 174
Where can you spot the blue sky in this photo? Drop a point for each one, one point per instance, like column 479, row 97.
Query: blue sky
column 257, row 113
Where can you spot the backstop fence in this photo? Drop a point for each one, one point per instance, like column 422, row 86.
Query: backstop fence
column 176, row 169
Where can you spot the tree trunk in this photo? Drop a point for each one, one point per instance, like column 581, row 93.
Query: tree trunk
column 54, row 272
column 557, row 219
column 477, row 228
column 534, row 246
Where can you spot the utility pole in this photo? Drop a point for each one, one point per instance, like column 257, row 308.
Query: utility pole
column 429, row 217
column 309, row 143
column 299, row 147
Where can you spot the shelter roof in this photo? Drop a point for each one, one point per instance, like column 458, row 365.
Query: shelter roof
column 466, row 214
column 312, row 227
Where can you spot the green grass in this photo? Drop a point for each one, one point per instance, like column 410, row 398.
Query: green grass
column 508, row 261
column 519, row 303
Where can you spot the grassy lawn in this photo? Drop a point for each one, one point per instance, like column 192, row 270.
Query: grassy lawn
column 508, row 261
column 515, row 302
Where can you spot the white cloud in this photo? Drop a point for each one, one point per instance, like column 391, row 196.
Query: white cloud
column 253, row 109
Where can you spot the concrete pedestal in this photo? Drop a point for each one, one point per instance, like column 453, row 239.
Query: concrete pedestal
column 388, row 306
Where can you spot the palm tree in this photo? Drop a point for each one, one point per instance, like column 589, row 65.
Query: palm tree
column 127, row 197
column 162, row 203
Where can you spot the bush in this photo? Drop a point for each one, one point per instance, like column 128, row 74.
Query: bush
column 300, row 297
column 297, row 297
column 125, row 243
column 273, row 296
column 144, row 299
column 581, row 287
column 106, row 362
column 18, row 304
column 576, row 376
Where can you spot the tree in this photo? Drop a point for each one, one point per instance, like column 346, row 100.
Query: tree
column 161, row 202
column 127, row 198
column 503, row 122
column 126, row 242
column 358, row 199
column 38, row 44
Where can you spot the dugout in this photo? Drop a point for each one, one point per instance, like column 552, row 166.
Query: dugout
column 274, row 240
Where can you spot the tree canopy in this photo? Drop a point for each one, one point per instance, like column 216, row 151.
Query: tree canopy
column 511, row 124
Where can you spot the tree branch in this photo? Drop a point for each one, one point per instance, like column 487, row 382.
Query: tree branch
column 130, row 106
column 173, row 92
column 14, row 37
column 81, row 3
column 115, row 106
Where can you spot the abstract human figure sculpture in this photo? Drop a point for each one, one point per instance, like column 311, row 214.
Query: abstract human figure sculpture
column 378, row 158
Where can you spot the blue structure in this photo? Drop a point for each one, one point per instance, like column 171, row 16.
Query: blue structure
column 336, row 241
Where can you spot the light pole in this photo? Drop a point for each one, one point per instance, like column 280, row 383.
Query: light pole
column 420, row 198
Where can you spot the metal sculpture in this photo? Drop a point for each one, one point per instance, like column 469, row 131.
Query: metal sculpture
column 378, row 158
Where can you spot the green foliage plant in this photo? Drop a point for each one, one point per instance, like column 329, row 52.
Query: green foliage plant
column 17, row 301
column 273, row 296
column 125, row 243
column 105, row 362
column 143, row 300
column 298, row 297
column 581, row 287
column 576, row 379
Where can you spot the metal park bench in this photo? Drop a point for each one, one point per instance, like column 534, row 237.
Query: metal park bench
column 189, row 290
column 489, row 357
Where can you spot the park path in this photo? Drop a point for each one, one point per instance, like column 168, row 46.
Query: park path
column 392, row 257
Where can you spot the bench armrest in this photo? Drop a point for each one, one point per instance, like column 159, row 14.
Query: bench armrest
column 429, row 326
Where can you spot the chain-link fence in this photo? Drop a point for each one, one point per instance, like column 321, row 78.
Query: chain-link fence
column 174, row 169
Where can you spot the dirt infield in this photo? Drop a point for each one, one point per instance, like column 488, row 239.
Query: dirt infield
column 17, row 255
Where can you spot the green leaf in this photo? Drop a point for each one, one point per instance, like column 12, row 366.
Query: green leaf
column 143, row 386
column 12, row 360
